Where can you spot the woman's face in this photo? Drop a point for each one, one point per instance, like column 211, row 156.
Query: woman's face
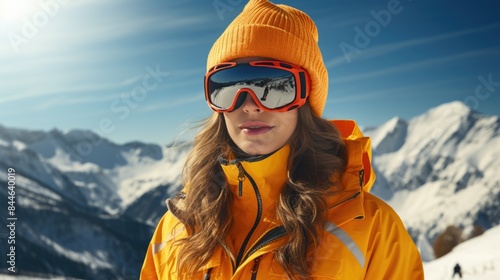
column 258, row 132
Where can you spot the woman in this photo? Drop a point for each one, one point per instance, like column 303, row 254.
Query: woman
column 272, row 190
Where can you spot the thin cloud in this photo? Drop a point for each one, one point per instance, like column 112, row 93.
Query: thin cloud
column 110, row 29
column 69, row 28
column 403, row 90
column 348, row 22
column 70, row 90
column 190, row 99
column 61, row 43
column 389, row 48
column 79, row 100
column 415, row 65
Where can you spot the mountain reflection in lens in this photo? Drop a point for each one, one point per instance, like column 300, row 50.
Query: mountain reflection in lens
column 272, row 87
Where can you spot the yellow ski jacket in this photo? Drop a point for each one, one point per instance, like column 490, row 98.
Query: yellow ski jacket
column 364, row 237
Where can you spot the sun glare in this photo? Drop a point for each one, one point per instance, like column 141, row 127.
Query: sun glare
column 16, row 9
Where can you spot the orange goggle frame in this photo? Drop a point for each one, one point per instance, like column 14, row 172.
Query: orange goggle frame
column 273, row 85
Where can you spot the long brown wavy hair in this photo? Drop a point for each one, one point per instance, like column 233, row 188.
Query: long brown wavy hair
column 317, row 161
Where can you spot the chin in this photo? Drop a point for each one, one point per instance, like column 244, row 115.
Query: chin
column 255, row 151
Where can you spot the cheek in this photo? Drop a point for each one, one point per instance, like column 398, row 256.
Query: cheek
column 289, row 123
column 228, row 118
column 230, row 125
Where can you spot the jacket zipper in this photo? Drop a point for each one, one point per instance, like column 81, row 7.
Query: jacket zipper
column 242, row 175
column 269, row 237
column 241, row 178
column 255, row 268
column 207, row 275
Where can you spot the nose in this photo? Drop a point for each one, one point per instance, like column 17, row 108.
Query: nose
column 249, row 105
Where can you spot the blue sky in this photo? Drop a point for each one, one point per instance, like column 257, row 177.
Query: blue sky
column 133, row 70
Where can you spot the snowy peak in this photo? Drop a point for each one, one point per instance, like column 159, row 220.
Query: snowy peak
column 107, row 175
column 439, row 125
column 446, row 120
column 431, row 144
column 390, row 136
column 450, row 109
column 448, row 159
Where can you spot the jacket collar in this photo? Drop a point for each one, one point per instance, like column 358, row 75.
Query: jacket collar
column 358, row 177
column 269, row 172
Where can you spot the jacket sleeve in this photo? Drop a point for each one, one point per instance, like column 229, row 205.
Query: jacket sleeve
column 392, row 254
column 149, row 269
column 160, row 258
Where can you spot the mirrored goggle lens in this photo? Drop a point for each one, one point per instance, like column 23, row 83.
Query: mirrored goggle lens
column 274, row 88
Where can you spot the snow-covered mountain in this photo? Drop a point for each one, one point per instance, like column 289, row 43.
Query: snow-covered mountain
column 440, row 168
column 86, row 207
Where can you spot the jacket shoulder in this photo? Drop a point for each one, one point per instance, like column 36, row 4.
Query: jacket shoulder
column 160, row 249
column 374, row 206
column 167, row 228
column 371, row 239
column 390, row 249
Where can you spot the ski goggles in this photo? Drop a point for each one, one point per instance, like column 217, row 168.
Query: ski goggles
column 273, row 85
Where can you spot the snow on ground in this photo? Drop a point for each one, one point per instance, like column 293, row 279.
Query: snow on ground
column 479, row 258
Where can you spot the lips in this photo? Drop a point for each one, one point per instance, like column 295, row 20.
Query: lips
column 255, row 127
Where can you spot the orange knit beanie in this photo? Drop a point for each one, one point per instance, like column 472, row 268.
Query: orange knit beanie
column 280, row 32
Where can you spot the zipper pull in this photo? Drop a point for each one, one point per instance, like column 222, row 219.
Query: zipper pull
column 361, row 177
column 241, row 178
